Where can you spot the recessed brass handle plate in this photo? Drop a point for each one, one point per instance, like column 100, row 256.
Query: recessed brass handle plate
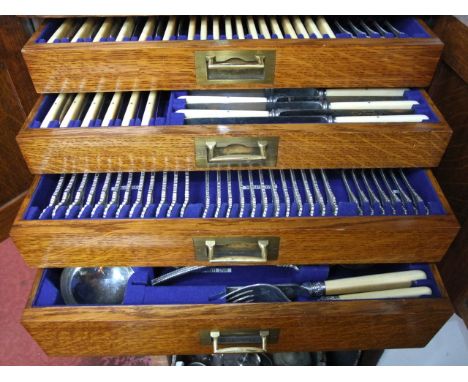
column 241, row 337
column 236, row 151
column 236, row 249
column 235, row 66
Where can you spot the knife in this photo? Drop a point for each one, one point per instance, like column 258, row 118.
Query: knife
column 287, row 95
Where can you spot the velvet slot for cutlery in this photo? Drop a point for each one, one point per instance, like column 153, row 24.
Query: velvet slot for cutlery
column 202, row 52
column 403, row 27
column 179, row 318
column 209, row 285
column 147, row 131
column 256, row 216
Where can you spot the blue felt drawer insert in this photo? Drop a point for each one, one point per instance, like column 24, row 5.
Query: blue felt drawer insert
column 342, row 27
column 234, row 194
column 200, row 287
column 167, row 105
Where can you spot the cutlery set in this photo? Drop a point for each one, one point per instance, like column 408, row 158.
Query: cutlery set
column 66, row 110
column 301, row 106
column 233, row 194
column 109, row 286
column 157, row 28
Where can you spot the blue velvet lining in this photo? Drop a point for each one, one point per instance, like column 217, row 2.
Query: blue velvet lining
column 198, row 287
column 409, row 27
column 168, row 103
column 38, row 207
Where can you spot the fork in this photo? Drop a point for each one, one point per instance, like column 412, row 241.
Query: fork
column 369, row 283
column 272, row 293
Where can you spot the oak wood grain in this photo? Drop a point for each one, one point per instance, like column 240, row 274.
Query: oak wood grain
column 450, row 92
column 175, row 329
column 453, row 31
column 164, row 242
column 113, row 66
column 155, row 148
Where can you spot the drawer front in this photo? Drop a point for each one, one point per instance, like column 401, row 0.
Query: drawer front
column 145, row 65
column 184, row 329
column 199, row 241
column 195, row 147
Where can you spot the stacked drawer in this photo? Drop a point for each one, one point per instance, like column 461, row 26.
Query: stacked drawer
column 233, row 141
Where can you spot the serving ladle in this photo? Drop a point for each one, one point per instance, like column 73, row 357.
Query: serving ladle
column 94, row 286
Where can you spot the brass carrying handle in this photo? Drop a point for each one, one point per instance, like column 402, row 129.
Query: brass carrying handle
column 215, row 334
column 236, row 63
column 211, row 145
column 262, row 244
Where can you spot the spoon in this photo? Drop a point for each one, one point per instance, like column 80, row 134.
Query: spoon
column 99, row 285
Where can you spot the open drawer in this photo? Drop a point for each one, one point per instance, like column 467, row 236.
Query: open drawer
column 147, row 131
column 290, row 51
column 255, row 216
column 175, row 319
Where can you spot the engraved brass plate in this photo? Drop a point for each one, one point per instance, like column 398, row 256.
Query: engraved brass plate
column 245, row 151
column 236, row 249
column 235, row 66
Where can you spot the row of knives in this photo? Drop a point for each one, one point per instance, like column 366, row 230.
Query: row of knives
column 254, row 192
column 94, row 29
column 301, row 105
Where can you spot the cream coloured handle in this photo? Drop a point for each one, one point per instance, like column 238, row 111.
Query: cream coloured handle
column 131, row 108
column 104, row 30
column 324, row 28
column 127, row 29
column 391, row 293
column 62, row 30
column 85, row 30
column 74, row 109
column 382, row 118
column 373, row 282
column 202, row 113
column 365, row 92
column 93, row 109
column 216, row 350
column 373, row 105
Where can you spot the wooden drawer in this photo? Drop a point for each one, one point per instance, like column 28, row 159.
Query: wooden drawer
column 171, row 145
column 179, row 329
column 335, row 237
column 174, row 64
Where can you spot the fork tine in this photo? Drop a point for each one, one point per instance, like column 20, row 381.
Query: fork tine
column 247, row 298
column 240, row 296
column 233, row 293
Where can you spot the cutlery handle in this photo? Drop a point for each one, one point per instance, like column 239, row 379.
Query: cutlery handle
column 391, row 293
column 373, row 105
column 373, row 282
column 382, row 118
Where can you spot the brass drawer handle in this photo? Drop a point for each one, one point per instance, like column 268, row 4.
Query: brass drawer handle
column 262, row 244
column 215, row 334
column 235, row 66
column 217, row 151
column 236, row 249
column 212, row 158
